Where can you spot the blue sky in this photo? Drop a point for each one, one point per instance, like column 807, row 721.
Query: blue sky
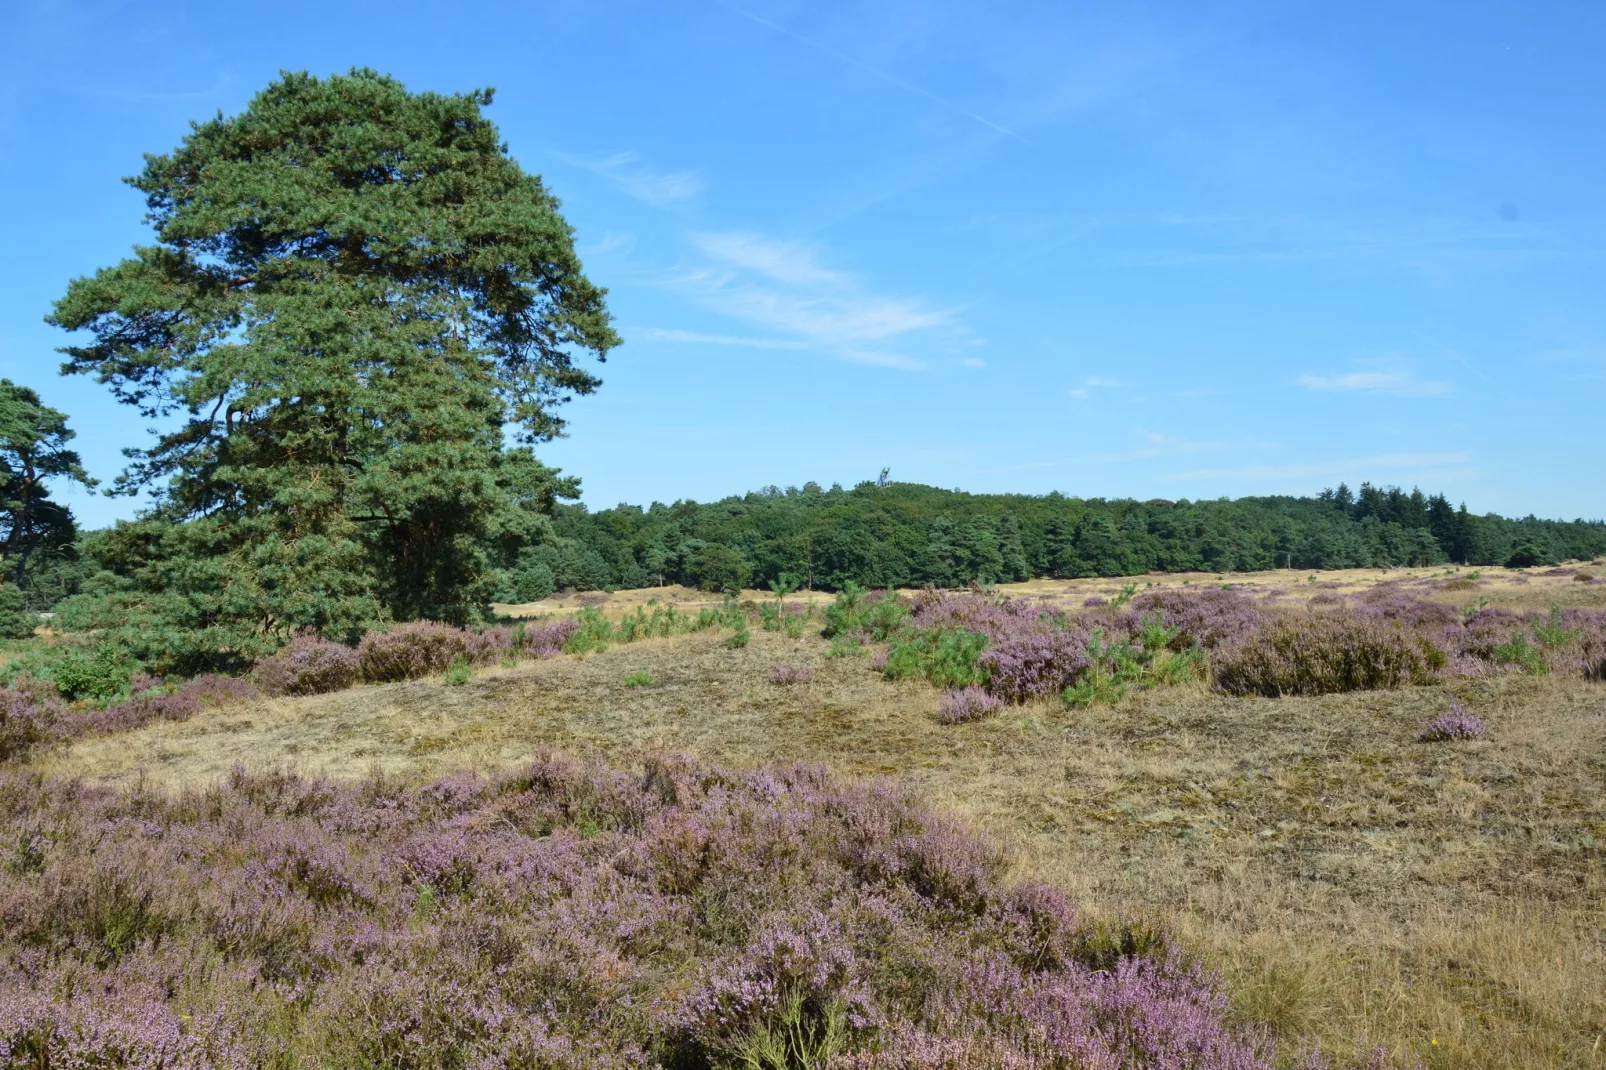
column 1153, row 250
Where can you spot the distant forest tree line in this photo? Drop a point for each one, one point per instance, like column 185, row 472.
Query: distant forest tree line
column 904, row 534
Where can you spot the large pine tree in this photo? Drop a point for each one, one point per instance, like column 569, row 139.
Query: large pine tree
column 355, row 296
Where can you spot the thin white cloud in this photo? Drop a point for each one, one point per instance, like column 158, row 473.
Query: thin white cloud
column 791, row 262
column 785, row 288
column 1178, row 444
column 660, row 189
column 1382, row 462
column 974, row 362
column 670, row 334
column 613, row 241
column 1092, row 383
column 1393, row 383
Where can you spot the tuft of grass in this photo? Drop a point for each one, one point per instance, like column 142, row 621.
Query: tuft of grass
column 459, row 671
column 638, row 678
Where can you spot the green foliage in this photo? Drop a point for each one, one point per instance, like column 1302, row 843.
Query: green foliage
column 638, row 678
column 947, row 657
column 1552, row 634
column 1127, row 593
column 1148, row 662
column 593, row 635
column 906, row 535
column 353, row 297
column 33, row 454
column 459, row 671
column 100, row 672
column 16, row 622
column 1523, row 654
column 739, row 639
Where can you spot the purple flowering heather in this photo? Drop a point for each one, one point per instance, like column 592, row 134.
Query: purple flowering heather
column 967, row 704
column 565, row 916
column 308, row 665
column 1456, row 724
column 782, row 675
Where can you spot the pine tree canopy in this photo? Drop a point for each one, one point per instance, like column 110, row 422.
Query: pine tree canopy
column 355, row 298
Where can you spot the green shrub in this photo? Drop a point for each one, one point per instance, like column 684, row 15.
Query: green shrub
column 638, row 678
column 738, row 640
column 592, row 636
column 1321, row 655
column 100, row 672
column 459, row 671
column 16, row 621
column 1523, row 654
column 947, row 657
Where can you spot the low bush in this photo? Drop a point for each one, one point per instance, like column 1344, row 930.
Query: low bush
column 1034, row 666
column 967, row 704
column 1456, row 724
column 24, row 724
column 638, row 678
column 1325, row 654
column 565, row 916
column 424, row 648
column 308, row 665
column 788, row 675
column 946, row 657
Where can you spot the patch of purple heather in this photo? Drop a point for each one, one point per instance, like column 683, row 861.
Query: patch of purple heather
column 783, row 675
column 967, row 704
column 567, row 915
column 1453, row 725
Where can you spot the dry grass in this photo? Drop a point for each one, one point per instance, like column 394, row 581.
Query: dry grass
column 1357, row 886
column 1503, row 588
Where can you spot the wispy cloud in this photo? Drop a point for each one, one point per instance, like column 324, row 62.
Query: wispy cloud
column 786, row 288
column 660, row 189
column 1092, row 383
column 612, row 241
column 1394, row 383
column 662, row 334
column 1389, row 462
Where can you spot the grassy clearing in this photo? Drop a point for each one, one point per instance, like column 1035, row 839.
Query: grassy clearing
column 1357, row 885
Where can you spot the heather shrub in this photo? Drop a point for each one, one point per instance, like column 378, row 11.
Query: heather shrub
column 1034, row 666
column 23, row 724
column 1324, row 654
column 967, row 704
column 308, row 665
column 548, row 640
column 424, row 648
column 178, row 702
column 946, row 657
column 1204, row 617
column 565, row 916
column 1456, row 724
column 786, row 675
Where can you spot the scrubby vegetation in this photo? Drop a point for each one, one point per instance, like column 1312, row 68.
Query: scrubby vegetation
column 359, row 315
column 564, row 916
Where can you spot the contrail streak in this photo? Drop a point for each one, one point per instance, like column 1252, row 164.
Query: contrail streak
column 883, row 75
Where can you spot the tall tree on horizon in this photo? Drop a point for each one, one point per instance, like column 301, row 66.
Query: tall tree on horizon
column 355, row 298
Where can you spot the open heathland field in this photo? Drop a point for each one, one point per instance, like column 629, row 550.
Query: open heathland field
column 1363, row 871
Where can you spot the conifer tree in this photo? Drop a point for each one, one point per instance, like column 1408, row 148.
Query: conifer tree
column 354, row 297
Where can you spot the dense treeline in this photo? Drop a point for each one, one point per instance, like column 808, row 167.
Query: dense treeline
column 904, row 534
